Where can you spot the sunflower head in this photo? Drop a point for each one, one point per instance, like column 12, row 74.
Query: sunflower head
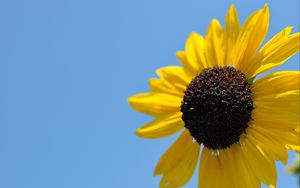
column 217, row 106
column 243, row 124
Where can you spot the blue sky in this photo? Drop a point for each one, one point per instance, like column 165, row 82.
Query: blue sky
column 66, row 70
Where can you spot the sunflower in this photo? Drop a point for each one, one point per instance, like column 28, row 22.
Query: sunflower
column 236, row 124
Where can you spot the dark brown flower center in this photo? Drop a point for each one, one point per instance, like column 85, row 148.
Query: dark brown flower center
column 217, row 107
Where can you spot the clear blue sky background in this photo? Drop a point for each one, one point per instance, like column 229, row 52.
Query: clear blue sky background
column 66, row 70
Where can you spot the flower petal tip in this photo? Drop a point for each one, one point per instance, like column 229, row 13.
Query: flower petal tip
column 139, row 132
column 232, row 8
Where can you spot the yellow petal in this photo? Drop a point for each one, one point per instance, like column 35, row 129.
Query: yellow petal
column 194, row 49
column 278, row 123
column 215, row 171
column 183, row 172
column 209, row 169
column 162, row 126
column 193, row 58
column 283, row 120
column 162, row 86
column 232, row 23
column 155, row 104
column 230, row 169
column 261, row 165
column 289, row 139
column 182, row 57
column 275, row 83
column 265, row 50
column 215, row 44
column 250, row 38
column 277, row 53
column 287, row 101
column 279, row 36
column 293, row 147
column 247, row 177
column 172, row 80
column 177, row 165
column 277, row 93
column 274, row 149
column 231, row 33
column 172, row 157
column 223, row 170
column 173, row 74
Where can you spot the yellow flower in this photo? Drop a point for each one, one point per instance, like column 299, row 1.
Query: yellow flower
column 237, row 125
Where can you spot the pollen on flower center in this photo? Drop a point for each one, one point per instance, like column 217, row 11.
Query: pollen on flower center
column 217, row 107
